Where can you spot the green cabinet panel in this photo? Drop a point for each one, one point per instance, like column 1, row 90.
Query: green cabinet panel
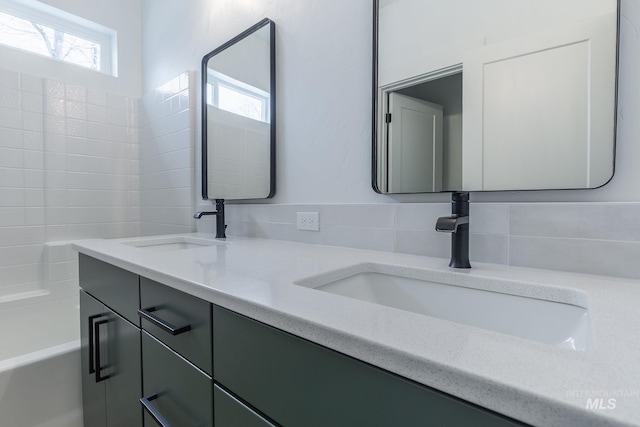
column 179, row 309
column 184, row 394
column 111, row 374
column 298, row 383
column 114, row 287
column 230, row 412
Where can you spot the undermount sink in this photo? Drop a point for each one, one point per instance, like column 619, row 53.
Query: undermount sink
column 162, row 244
column 557, row 316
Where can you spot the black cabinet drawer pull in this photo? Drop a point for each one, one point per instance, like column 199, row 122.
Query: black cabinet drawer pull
column 155, row 414
column 92, row 368
column 98, row 368
column 147, row 313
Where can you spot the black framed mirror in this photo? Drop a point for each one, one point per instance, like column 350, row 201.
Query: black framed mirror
column 494, row 95
column 239, row 116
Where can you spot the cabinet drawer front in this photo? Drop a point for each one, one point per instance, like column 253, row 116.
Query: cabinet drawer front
column 115, row 287
column 296, row 382
column 230, row 412
column 177, row 390
column 188, row 316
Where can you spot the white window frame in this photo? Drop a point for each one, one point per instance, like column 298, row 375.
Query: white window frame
column 70, row 24
column 216, row 79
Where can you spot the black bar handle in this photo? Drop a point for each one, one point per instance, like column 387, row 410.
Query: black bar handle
column 147, row 313
column 155, row 414
column 92, row 368
column 96, row 326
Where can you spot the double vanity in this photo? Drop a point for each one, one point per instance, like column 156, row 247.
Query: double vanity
column 261, row 332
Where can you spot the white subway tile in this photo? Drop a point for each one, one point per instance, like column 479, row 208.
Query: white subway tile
column 55, row 124
column 97, row 97
column 76, row 110
column 11, row 138
column 33, row 159
column 32, row 102
column 54, row 89
column 15, row 236
column 75, row 92
column 10, row 98
column 9, row 79
column 32, row 121
column 11, row 197
column 34, row 216
column 11, row 158
column 97, row 114
column 10, row 177
column 13, row 216
column 33, row 140
column 76, row 127
column 33, row 178
column 31, row 84
column 10, row 118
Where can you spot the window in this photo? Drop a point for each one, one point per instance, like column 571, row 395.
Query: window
column 44, row 30
column 237, row 97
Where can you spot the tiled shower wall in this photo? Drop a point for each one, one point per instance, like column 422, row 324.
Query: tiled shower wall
column 68, row 170
column 167, row 158
column 596, row 238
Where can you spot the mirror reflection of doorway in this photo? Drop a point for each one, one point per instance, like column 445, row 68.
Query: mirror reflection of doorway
column 414, row 134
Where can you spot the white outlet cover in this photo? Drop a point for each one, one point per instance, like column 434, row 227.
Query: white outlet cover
column 309, row 221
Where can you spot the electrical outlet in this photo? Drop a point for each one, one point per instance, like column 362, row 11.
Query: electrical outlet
column 308, row 221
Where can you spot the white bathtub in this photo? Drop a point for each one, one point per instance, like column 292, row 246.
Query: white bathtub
column 40, row 383
column 42, row 389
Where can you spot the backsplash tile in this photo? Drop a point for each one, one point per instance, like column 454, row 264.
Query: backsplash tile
column 608, row 221
column 557, row 236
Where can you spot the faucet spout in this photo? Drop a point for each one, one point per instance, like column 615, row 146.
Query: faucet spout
column 458, row 225
column 219, row 214
column 450, row 224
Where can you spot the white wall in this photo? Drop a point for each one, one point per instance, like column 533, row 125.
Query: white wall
column 324, row 93
column 124, row 16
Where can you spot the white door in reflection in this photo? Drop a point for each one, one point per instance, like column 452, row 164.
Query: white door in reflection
column 414, row 135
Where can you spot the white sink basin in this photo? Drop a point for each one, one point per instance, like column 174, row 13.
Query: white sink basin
column 162, row 244
column 513, row 308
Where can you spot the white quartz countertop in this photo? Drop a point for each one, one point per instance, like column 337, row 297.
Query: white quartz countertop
column 530, row 381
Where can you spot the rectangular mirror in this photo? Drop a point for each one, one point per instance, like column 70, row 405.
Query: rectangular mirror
column 494, row 95
column 238, row 116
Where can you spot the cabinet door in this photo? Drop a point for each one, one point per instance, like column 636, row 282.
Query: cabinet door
column 298, row 383
column 93, row 393
column 175, row 391
column 230, row 412
column 122, row 365
column 111, row 373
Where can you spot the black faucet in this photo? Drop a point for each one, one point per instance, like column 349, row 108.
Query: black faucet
column 458, row 225
column 219, row 213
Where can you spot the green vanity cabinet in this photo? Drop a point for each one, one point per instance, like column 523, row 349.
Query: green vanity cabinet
column 111, row 375
column 298, row 383
column 153, row 355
